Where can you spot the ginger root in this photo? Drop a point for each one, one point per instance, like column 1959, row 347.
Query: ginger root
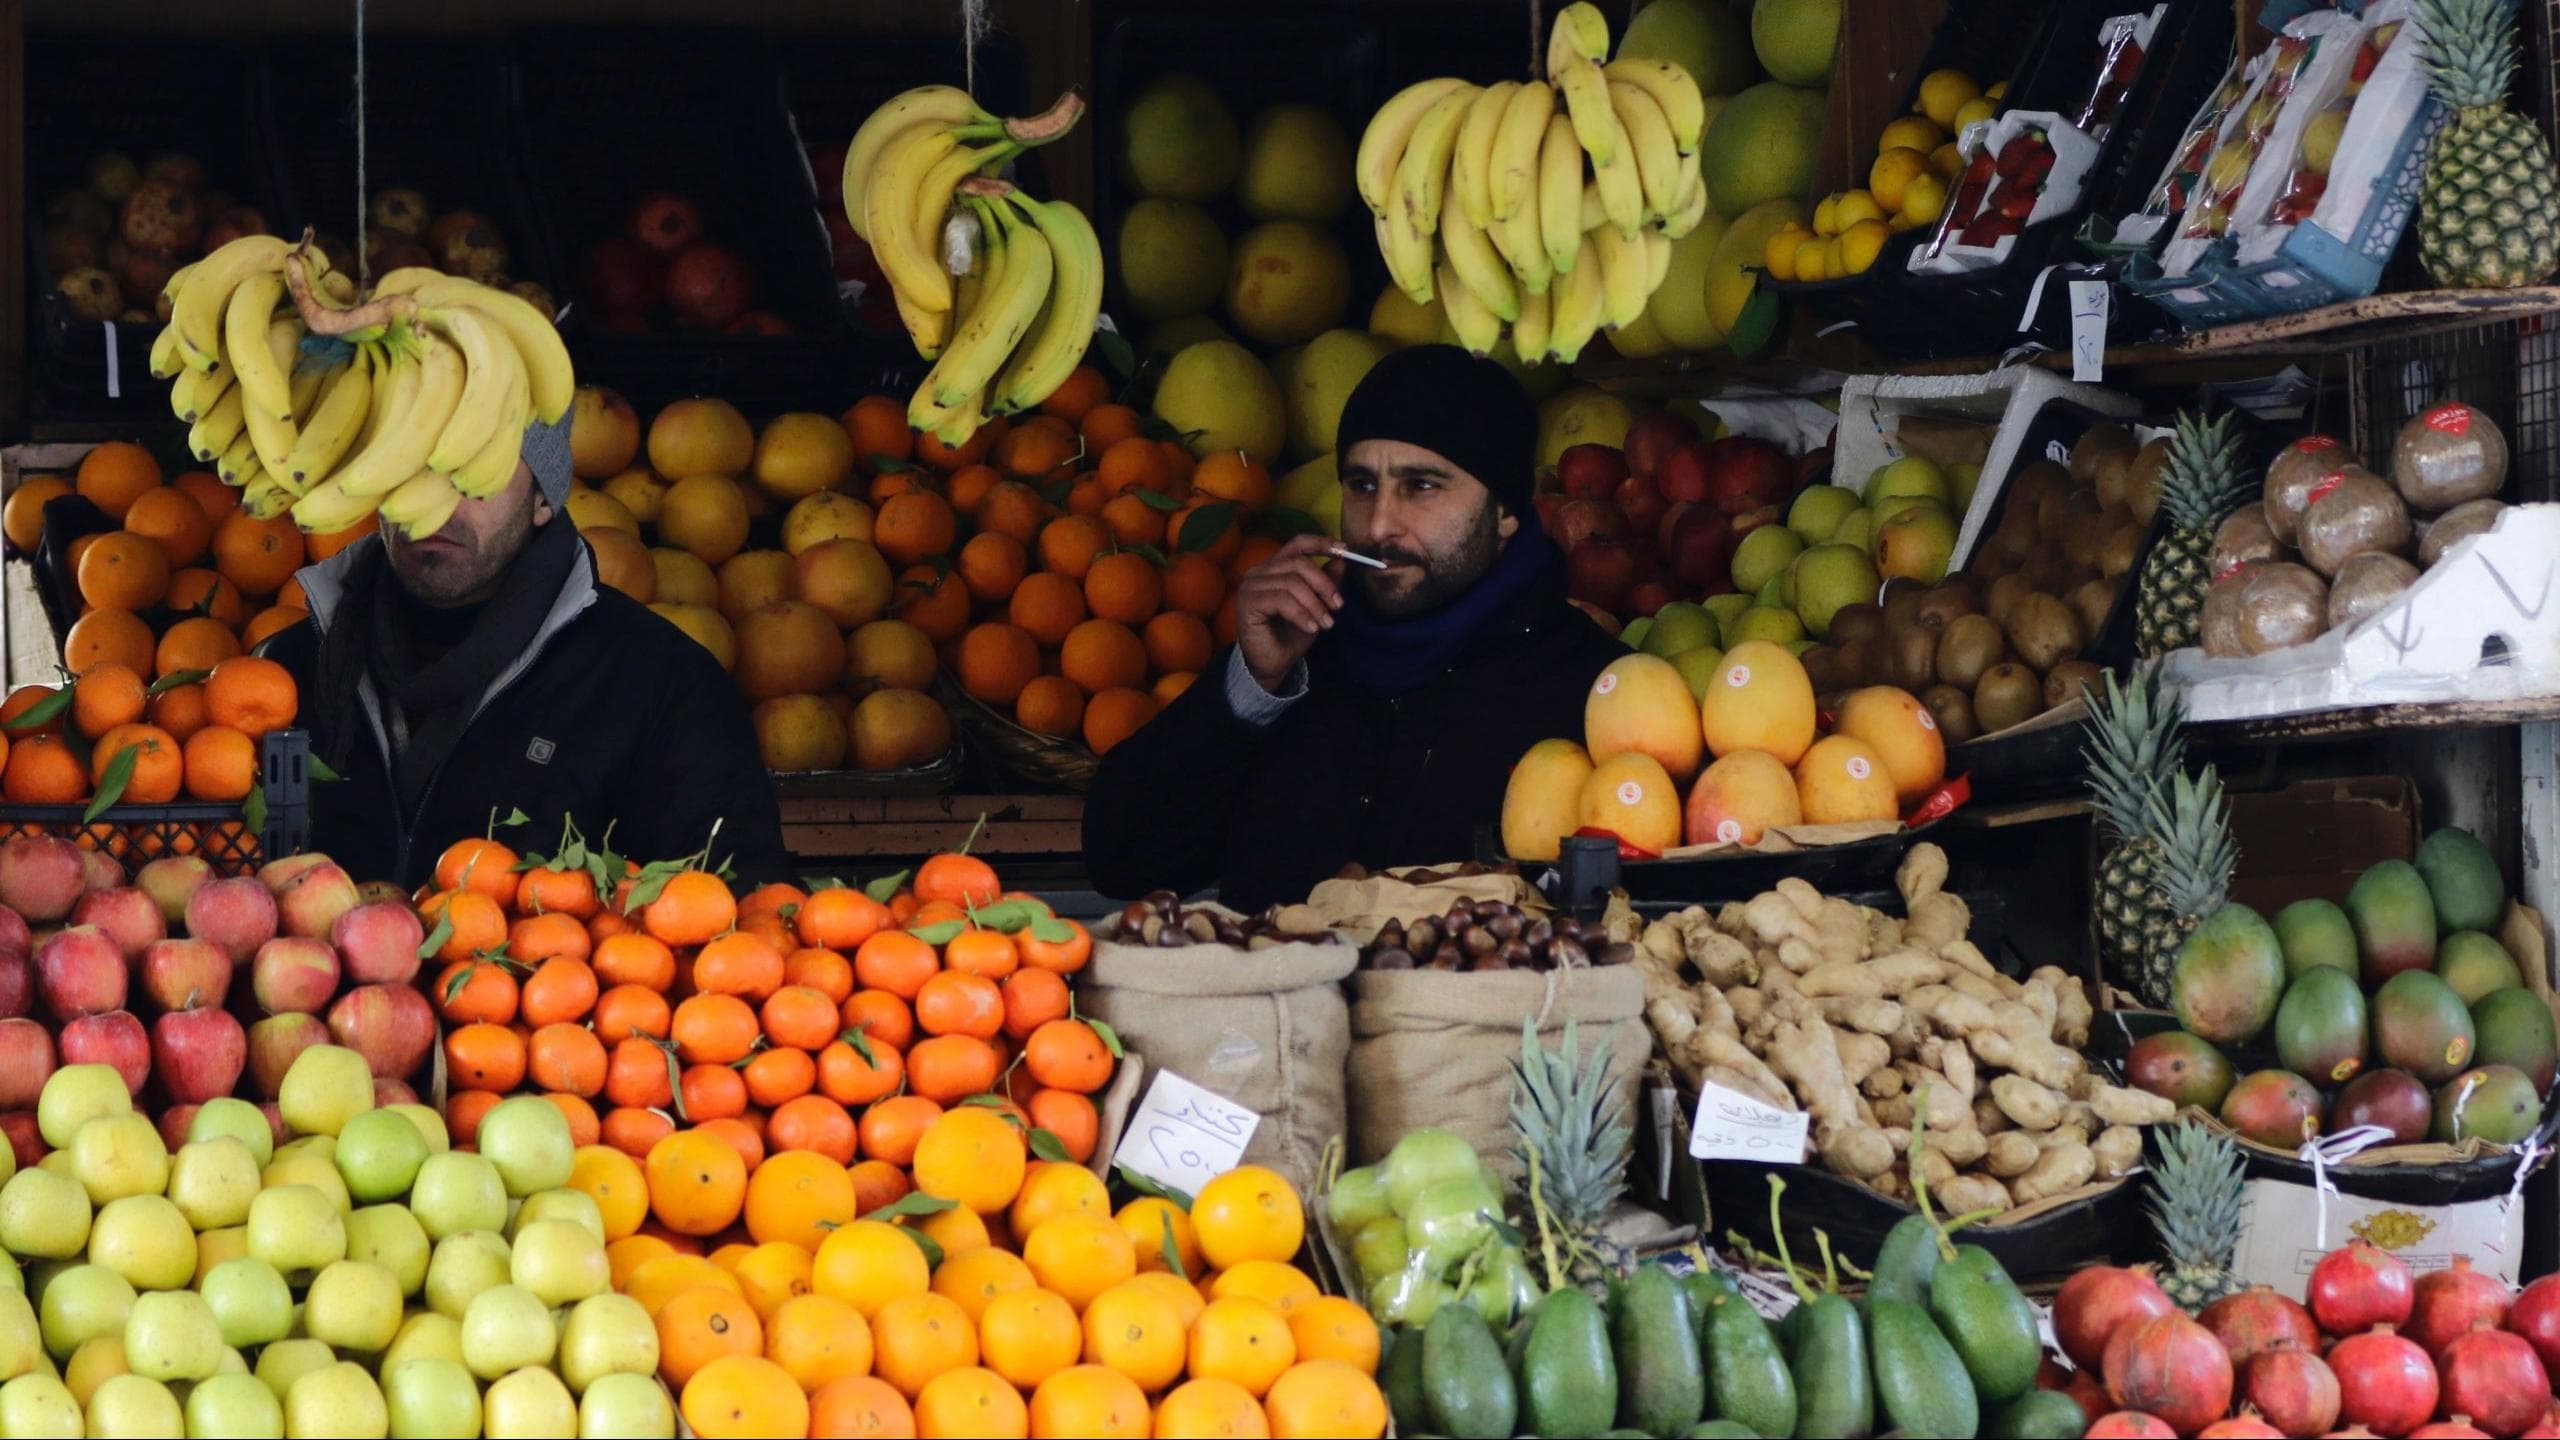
column 2118, row 1150
column 2059, row 1170
column 1965, row 1194
column 1922, row 873
column 2119, row 1106
column 2011, row 1154
column 2028, row 1105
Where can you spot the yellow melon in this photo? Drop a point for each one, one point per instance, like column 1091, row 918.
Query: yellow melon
column 1842, row 781
column 1641, row 705
column 1903, row 734
column 1761, row 701
column 1632, row 798
column 1740, row 798
column 1543, row 802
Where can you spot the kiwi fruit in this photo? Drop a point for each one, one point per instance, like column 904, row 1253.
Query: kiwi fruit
column 1969, row 645
column 2004, row 596
column 2472, row 517
column 1950, row 600
column 2008, row 694
column 2283, row 605
column 2049, row 570
column 1952, row 708
column 2109, row 476
column 2043, row 631
column 1855, row 660
column 1901, row 602
column 2365, row 584
column 2446, row 455
column 2083, row 536
column 2244, row 535
column 1861, row 621
column 2298, row 470
column 2092, row 602
column 2142, row 480
column 2218, row 628
column 1824, row 670
column 2064, row 682
column 2096, row 444
column 1911, row 658
column 2123, row 547
column 2028, row 488
column 2358, row 514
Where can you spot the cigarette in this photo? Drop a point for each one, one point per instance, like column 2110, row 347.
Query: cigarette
column 1344, row 552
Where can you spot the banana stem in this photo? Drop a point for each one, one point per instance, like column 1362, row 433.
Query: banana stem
column 323, row 318
column 1049, row 124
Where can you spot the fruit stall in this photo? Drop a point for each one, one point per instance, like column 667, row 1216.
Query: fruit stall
column 2040, row 927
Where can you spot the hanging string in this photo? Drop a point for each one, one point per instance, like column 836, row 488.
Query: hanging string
column 364, row 277
column 1537, row 39
column 976, row 21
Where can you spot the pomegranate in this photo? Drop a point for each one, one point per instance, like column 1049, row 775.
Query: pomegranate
column 2171, row 1367
column 665, row 222
column 2457, row 1428
column 708, row 286
column 467, row 243
column 2293, row 1388
column 2445, row 1303
column 2536, row 1316
column 2091, row 1392
column 2359, row 1286
column 2240, row 1427
column 2130, row 1425
column 2095, row 1303
column 622, row 276
column 162, row 218
column 2546, row 1428
column 2252, row 1321
column 2496, row 1379
column 759, row 322
column 2385, row 1382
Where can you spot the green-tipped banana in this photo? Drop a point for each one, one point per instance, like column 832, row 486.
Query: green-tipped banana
column 420, row 505
column 1674, row 89
column 1530, row 333
column 987, row 337
column 1560, row 195
column 1478, row 328
column 331, row 432
column 1657, row 156
column 200, row 304
column 1622, row 276
column 1422, row 182
column 995, row 248
column 1477, row 264
column 213, row 433
column 1691, row 212
column 1586, row 100
column 939, row 193
column 1471, row 166
column 1581, row 299
column 1580, row 29
column 943, row 106
column 1383, row 144
column 272, row 434
column 1058, row 340
column 1512, row 176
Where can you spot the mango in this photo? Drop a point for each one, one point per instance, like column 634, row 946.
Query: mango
column 2421, row 1026
column 1842, row 781
column 2229, row 977
column 2514, row 1027
column 2320, row 1026
column 1904, row 735
column 1543, row 802
column 2395, row 920
column 2463, row 879
column 2495, row 1103
column 2275, row 1108
column 1633, row 798
column 1740, row 798
column 1641, row 705
column 2185, row 1068
column 1762, row 701
column 2475, row 964
column 2314, row 933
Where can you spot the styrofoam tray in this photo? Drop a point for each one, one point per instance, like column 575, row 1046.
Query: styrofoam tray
column 2073, row 154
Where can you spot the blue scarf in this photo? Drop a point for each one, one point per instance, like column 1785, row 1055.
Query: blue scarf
column 1390, row 658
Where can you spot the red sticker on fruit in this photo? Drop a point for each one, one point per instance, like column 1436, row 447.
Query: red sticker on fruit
column 2315, row 442
column 2451, row 418
column 1940, row 803
column 2227, row 571
column 2320, row 491
column 1626, row 851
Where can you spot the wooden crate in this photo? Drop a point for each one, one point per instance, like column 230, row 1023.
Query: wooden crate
column 818, row 828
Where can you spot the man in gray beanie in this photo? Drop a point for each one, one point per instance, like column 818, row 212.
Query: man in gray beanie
column 483, row 671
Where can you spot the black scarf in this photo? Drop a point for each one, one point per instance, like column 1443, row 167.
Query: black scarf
column 429, row 685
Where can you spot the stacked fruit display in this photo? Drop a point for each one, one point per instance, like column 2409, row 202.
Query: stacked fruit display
column 2374, row 1349
column 112, row 241
column 660, row 267
column 2400, row 1010
column 404, row 230
column 112, row 738
column 1658, row 518
column 1916, row 165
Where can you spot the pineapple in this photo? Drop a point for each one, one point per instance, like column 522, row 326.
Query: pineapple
column 2192, row 826
column 2196, row 1207
column 2134, row 744
column 1574, row 1144
column 2489, row 215
column 2202, row 484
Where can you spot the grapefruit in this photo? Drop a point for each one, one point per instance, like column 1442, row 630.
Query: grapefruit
column 1219, row 390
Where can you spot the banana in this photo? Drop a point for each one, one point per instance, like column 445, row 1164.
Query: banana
column 399, row 448
column 928, row 330
column 1560, row 195
column 1657, row 155
column 1383, row 144
column 1479, row 329
column 238, row 463
column 395, row 384
column 264, row 498
column 1477, row 265
column 198, row 310
column 166, row 362
column 334, row 422
column 1580, row 298
column 1594, row 214
column 987, row 337
column 1057, row 342
column 1581, row 30
column 940, row 186
column 1512, row 175
column 308, row 381
column 1622, row 275
column 1422, row 181
column 491, row 372
column 1657, row 262
column 552, row 379
column 895, row 199
column 270, row 434
column 940, row 105
column 1691, row 212
column 264, row 384
column 960, row 424
column 195, row 391
column 1520, row 245
column 1471, row 169
column 1530, row 332
column 995, row 248
column 213, row 433
column 327, row 509
column 1586, row 99
column 421, row 504
column 1674, row 89
column 488, row 471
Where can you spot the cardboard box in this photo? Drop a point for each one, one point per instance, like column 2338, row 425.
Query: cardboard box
column 2287, row 1230
column 2311, row 840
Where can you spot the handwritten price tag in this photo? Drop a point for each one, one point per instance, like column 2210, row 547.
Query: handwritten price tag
column 1182, row 1137
column 2089, row 305
column 1732, row 1126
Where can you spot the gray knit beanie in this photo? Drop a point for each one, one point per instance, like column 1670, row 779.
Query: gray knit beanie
column 546, row 449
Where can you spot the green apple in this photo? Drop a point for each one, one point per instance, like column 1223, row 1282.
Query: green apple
column 312, row 1169
column 250, row 1300
column 429, row 1123
column 146, row 1240
column 120, row 1155
column 286, row 1361
column 89, row 1367
column 379, row 1154
column 75, row 1095
column 339, row 1399
column 1679, row 626
column 21, row 1338
column 507, row 1328
column 431, row 1399
column 1828, row 577
column 607, row 1335
column 1818, row 510
column 1910, row 475
column 424, row 1335
column 213, row 1180
column 44, row 1213
column 1767, row 622
column 464, row 1264
column 527, row 1404
column 624, row 1407
column 1962, row 478
column 353, row 1305
column 1856, row 528
column 232, row 1362
column 457, row 1191
column 10, row 1278
column 1635, row 632
column 40, row 1405
column 527, row 1138
column 235, row 1405
column 134, row 1405
column 172, row 1335
column 573, row 1205
column 1725, row 608
column 1917, row 544
column 324, row 1088
column 238, row 1119
column 1763, row 555
column 82, row 1303
column 389, row 1236
column 215, row 1246
column 296, row 1227
column 1698, row 669
column 560, row 1262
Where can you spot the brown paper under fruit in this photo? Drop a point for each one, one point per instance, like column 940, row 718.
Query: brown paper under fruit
column 1267, row 1029
column 1435, row 1047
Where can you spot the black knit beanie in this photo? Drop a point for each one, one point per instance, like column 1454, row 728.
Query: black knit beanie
column 1465, row 409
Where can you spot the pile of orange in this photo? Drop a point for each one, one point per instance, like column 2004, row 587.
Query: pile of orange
column 191, row 734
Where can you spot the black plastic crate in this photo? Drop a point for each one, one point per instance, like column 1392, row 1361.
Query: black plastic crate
column 89, row 97
column 220, row 832
column 438, row 119
column 2508, row 369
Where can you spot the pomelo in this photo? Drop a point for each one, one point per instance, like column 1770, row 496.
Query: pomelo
column 1761, row 147
column 1172, row 257
column 1704, row 37
column 1733, row 271
column 1795, row 39
column 1678, row 308
column 1218, row 389
column 1585, row 414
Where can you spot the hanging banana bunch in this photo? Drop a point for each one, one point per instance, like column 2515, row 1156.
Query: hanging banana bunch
column 1547, row 206
column 314, row 404
column 999, row 290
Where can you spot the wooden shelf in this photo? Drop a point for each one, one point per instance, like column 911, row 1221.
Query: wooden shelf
column 901, row 828
column 2357, row 722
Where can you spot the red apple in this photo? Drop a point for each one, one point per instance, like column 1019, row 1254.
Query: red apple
column 1745, row 474
column 1600, row 571
column 1750, row 520
column 391, row 1026
column 15, row 937
column 126, row 915
column 374, row 892
column 665, row 222
column 622, row 322
column 40, row 877
column 291, row 975
column 708, row 286
column 238, row 915
column 1591, row 472
column 1702, row 548
column 1811, row 464
column 275, row 1123
column 392, row 1092
column 1649, row 597
column 24, row 1138
column 175, row 1122
column 273, row 1044
column 1549, row 505
column 1669, row 524
column 99, row 872
column 845, row 248
column 1580, row 520
column 1641, row 500
column 17, row 983
column 198, row 1054
column 170, row 880
column 310, row 898
column 81, row 972
column 379, row 943
column 186, row 975
column 621, row 276
column 1684, row 474
column 1654, row 435
column 26, row 1059
column 113, row 1038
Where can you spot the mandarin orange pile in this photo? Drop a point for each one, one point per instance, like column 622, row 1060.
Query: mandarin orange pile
column 192, row 734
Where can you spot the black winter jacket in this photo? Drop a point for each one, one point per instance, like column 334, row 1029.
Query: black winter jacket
column 614, row 717
column 1199, row 797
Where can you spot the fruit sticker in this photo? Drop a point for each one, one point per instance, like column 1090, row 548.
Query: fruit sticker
column 2451, row 418
column 1608, row 682
column 1630, row 793
column 2320, row 490
column 2310, row 443
column 1927, row 720
column 2457, row 1049
column 2344, row 1071
column 1738, row 677
column 1858, row 767
column 1729, row 831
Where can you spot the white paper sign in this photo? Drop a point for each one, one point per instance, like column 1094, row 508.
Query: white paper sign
column 1733, row 1126
column 1182, row 1137
column 2089, row 303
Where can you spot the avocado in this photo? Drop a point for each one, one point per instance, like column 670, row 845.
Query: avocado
column 2514, row 1027
column 1906, row 1261
column 1400, row 1376
column 2421, row 1026
column 2320, row 1026
column 1921, row 1383
column 1568, row 1378
column 1662, row 1386
column 1703, row 1286
column 2463, row 879
column 1992, row 1327
column 2395, row 920
column 1835, row 1384
column 2315, row 932
column 2230, row 974
column 2475, row 964
column 1465, row 1386
column 1722, row 1430
column 1746, row 1372
column 2039, row 1415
